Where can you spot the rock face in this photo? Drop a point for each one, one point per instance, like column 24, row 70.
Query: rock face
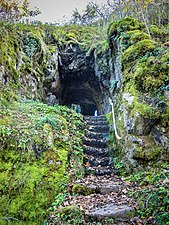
column 43, row 68
column 141, row 113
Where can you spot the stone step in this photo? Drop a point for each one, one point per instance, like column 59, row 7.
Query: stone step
column 100, row 152
column 98, row 129
column 103, row 184
column 103, row 136
column 118, row 212
column 98, row 143
column 98, row 162
column 96, row 119
column 101, row 123
column 103, row 188
column 99, row 171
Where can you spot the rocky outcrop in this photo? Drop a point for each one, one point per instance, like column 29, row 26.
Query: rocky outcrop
column 141, row 114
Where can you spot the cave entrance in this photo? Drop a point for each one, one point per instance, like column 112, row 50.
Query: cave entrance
column 81, row 96
column 80, row 87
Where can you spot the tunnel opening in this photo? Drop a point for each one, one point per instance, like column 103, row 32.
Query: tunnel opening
column 81, row 97
column 80, row 88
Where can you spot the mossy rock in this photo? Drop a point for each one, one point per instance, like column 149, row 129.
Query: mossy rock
column 82, row 190
column 132, row 37
column 126, row 24
column 148, row 69
column 147, row 154
column 137, row 51
column 34, row 157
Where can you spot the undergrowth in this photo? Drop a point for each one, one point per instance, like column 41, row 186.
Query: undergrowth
column 150, row 189
column 40, row 149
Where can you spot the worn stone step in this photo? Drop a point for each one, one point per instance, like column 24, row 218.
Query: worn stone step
column 98, row 129
column 101, row 123
column 100, row 152
column 96, row 119
column 95, row 162
column 99, row 171
column 123, row 212
column 98, row 143
column 103, row 184
column 90, row 134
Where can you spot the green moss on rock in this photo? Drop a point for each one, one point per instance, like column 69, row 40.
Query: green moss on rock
column 132, row 37
column 147, row 154
column 136, row 51
column 35, row 141
column 126, row 24
column 82, row 190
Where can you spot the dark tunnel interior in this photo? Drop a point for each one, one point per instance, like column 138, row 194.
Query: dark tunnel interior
column 83, row 96
column 80, row 87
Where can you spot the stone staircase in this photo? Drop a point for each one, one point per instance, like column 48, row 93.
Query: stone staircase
column 109, row 190
column 97, row 158
column 100, row 195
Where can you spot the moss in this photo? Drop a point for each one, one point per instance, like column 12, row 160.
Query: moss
column 126, row 24
column 147, row 153
column 160, row 34
column 35, row 142
column 140, row 107
column 151, row 73
column 143, row 60
column 132, row 37
column 165, row 117
column 147, row 65
column 136, row 51
column 82, row 190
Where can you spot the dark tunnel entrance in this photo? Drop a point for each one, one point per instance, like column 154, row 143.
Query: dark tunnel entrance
column 80, row 88
column 81, row 96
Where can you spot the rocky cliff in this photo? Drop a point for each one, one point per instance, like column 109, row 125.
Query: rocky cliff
column 140, row 92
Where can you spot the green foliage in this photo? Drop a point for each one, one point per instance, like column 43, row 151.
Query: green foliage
column 64, row 214
column 30, row 46
column 39, row 144
column 118, row 27
column 151, row 193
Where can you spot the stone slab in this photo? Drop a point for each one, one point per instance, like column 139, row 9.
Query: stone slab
column 112, row 211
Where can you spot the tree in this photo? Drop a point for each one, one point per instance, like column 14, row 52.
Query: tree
column 14, row 10
column 93, row 14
